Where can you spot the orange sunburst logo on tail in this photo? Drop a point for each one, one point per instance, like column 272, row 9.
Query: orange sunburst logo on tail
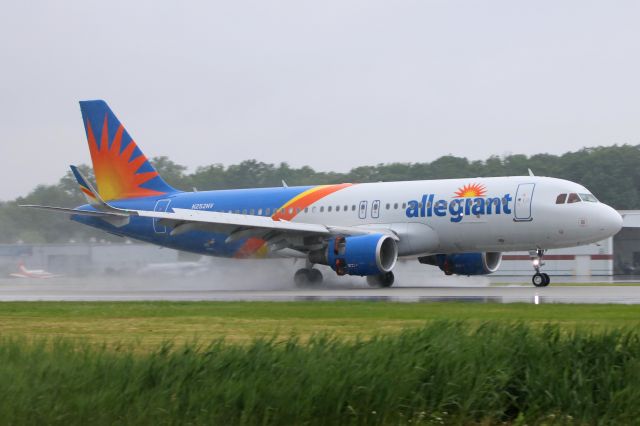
column 115, row 170
column 471, row 190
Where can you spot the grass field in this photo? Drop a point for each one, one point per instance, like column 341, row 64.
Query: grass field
column 149, row 323
column 441, row 373
column 318, row 363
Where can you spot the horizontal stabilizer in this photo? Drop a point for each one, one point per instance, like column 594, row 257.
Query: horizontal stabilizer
column 76, row 211
column 116, row 218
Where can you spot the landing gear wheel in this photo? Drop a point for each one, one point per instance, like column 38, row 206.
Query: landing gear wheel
column 305, row 277
column 547, row 279
column 382, row 280
column 302, row 277
column 315, row 276
column 540, row 279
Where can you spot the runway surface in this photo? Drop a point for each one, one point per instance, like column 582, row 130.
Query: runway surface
column 498, row 289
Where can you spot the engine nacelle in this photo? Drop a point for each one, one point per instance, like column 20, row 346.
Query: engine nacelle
column 371, row 254
column 465, row 263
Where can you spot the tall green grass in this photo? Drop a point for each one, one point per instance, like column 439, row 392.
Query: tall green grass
column 444, row 373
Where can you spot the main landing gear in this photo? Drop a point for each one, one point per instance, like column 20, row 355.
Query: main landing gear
column 382, row 280
column 539, row 279
column 307, row 276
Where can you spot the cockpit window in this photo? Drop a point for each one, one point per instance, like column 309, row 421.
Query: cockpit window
column 573, row 198
column 561, row 199
column 589, row 198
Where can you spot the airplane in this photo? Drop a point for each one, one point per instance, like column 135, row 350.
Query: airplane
column 461, row 226
column 32, row 273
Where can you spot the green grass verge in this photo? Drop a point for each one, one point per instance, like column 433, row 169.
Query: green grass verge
column 442, row 373
column 150, row 323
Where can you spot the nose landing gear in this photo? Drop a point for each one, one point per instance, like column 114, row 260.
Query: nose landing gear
column 539, row 279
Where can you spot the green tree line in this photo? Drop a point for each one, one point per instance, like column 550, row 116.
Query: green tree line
column 611, row 173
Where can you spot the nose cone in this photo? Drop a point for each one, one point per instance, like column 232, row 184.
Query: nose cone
column 611, row 222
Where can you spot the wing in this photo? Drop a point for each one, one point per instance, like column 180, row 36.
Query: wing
column 278, row 234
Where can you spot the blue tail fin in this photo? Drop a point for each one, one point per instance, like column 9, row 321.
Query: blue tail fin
column 120, row 168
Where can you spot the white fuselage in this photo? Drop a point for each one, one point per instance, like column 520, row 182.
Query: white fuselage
column 432, row 217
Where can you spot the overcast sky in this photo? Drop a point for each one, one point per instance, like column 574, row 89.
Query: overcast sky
column 330, row 84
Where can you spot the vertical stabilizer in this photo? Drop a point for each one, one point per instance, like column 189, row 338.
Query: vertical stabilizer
column 120, row 167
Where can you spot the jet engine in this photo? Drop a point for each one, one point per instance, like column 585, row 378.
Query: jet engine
column 371, row 254
column 465, row 263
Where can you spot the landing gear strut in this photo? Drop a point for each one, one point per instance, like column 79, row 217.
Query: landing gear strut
column 539, row 279
column 307, row 276
column 382, row 280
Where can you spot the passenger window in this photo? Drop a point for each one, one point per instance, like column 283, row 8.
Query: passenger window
column 561, row 199
column 322, row 209
column 337, row 208
column 252, row 211
column 306, row 209
column 353, row 208
column 395, row 206
column 346, row 208
column 244, row 211
column 404, row 206
column 388, row 206
column 329, row 209
column 573, row 198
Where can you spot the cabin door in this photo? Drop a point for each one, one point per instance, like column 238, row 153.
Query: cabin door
column 161, row 206
column 524, row 196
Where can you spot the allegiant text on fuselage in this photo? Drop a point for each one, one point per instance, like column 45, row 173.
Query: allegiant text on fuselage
column 457, row 208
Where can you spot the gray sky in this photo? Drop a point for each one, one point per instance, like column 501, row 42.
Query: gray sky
column 331, row 84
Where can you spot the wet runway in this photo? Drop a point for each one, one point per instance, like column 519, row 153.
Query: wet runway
column 496, row 289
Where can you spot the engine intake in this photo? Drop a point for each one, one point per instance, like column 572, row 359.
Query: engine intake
column 371, row 254
column 465, row 263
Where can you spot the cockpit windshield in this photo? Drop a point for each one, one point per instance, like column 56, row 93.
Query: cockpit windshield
column 573, row 198
column 588, row 198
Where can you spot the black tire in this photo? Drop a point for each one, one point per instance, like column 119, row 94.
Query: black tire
column 315, row 276
column 387, row 279
column 381, row 280
column 302, row 277
column 538, row 280
column 547, row 279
